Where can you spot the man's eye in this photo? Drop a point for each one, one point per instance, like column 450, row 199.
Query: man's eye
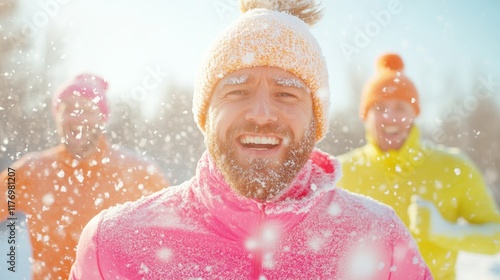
column 235, row 93
column 286, row 94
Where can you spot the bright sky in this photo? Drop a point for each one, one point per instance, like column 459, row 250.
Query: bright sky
column 141, row 46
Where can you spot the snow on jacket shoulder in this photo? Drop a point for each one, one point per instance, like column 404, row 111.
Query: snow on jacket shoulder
column 202, row 229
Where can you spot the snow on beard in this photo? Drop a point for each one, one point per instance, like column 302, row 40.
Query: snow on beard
column 258, row 178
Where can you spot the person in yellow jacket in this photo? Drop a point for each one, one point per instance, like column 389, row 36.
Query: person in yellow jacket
column 62, row 188
column 437, row 191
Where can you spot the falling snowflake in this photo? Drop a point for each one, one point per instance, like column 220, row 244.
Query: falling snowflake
column 334, row 209
column 48, row 199
column 164, row 254
column 98, row 201
column 80, row 178
column 144, row 269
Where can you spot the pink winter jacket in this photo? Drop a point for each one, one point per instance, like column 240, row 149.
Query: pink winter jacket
column 203, row 230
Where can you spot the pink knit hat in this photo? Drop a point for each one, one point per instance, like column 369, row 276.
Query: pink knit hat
column 85, row 85
column 269, row 36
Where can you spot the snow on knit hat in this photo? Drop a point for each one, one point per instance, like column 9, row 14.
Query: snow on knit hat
column 389, row 82
column 274, row 34
column 85, row 85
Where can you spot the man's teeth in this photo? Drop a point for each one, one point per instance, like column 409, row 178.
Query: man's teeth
column 391, row 129
column 260, row 140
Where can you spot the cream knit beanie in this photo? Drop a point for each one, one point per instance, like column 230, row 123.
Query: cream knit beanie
column 269, row 33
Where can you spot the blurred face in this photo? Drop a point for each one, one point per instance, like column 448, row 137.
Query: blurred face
column 80, row 125
column 389, row 122
column 260, row 129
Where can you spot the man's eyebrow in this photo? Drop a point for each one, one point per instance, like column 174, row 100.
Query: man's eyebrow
column 289, row 82
column 235, row 80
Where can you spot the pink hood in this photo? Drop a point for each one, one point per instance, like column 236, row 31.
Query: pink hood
column 202, row 229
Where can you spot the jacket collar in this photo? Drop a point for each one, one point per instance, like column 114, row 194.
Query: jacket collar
column 410, row 154
column 236, row 216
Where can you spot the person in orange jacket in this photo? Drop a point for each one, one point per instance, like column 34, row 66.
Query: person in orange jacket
column 437, row 191
column 62, row 188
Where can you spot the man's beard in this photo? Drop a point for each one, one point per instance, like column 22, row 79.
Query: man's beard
column 259, row 178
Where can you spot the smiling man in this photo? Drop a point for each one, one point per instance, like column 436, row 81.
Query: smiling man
column 261, row 130
column 263, row 202
column 436, row 191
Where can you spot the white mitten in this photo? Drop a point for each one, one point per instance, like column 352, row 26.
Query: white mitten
column 427, row 222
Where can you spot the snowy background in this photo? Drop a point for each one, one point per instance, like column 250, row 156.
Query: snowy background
column 149, row 52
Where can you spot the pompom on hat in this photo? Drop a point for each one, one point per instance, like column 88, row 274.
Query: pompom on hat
column 86, row 85
column 274, row 34
column 389, row 82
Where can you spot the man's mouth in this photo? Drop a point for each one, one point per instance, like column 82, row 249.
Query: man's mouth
column 259, row 142
column 391, row 129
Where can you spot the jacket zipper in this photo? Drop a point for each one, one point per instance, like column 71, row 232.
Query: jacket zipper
column 257, row 260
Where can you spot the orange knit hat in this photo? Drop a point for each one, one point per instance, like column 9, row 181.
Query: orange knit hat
column 267, row 34
column 388, row 83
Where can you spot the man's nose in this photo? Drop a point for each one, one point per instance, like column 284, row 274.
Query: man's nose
column 262, row 109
